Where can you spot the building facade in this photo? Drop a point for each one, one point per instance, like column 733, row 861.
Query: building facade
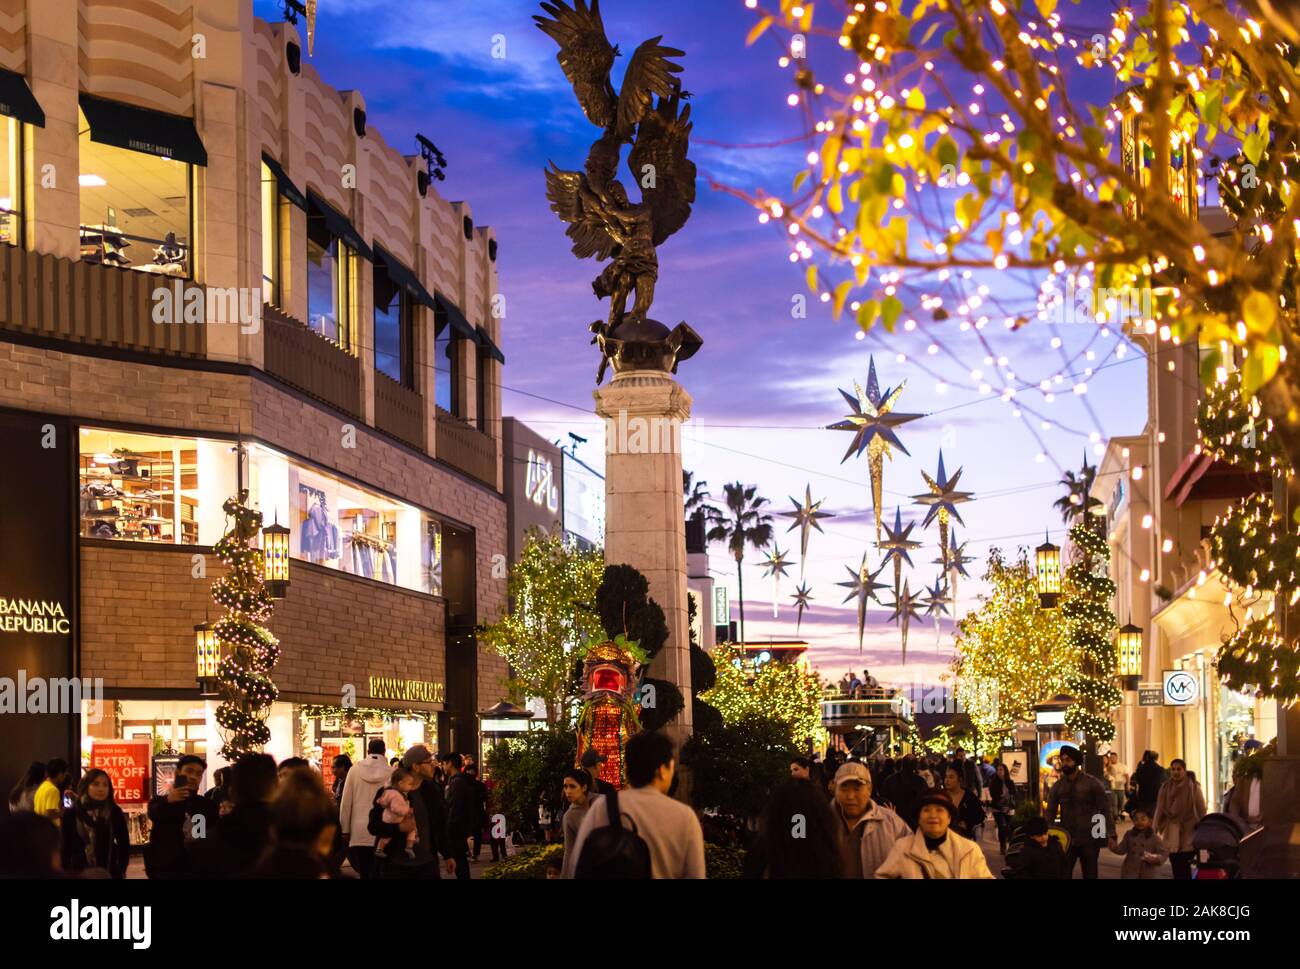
column 210, row 254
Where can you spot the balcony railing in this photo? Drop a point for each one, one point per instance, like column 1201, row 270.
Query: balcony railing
column 466, row 448
column 64, row 299
column 399, row 411
column 304, row 359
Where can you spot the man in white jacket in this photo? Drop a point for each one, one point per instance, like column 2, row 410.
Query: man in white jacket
column 867, row 830
column 363, row 782
column 934, row 851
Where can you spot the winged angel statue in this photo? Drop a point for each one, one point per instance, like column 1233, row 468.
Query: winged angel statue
column 604, row 222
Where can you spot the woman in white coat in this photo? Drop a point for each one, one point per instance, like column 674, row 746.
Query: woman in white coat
column 934, row 852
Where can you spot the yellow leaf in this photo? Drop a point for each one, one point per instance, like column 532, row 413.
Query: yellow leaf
column 1259, row 311
column 757, row 30
column 838, row 298
column 830, row 156
column 1259, row 366
column 835, row 199
column 811, row 276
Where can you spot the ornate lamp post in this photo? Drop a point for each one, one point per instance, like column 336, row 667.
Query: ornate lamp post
column 1129, row 648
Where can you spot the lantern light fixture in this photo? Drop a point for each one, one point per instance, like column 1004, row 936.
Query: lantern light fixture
column 207, row 655
column 1129, row 651
column 1047, row 563
column 275, row 558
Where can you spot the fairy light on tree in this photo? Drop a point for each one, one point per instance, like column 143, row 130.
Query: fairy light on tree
column 250, row 650
column 777, row 690
column 1090, row 628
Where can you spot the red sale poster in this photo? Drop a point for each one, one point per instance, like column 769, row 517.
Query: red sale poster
column 127, row 764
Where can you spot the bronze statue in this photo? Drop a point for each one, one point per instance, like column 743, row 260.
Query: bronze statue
column 604, row 222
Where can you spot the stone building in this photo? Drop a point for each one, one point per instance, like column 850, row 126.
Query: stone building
column 206, row 243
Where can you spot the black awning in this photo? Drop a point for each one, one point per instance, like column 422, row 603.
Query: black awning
column 140, row 129
column 338, row 224
column 449, row 313
column 287, row 188
column 403, row 277
column 486, row 343
column 17, row 100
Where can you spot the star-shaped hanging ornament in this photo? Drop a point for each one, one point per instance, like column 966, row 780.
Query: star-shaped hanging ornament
column 941, row 501
column 802, row 596
column 936, row 602
column 898, row 546
column 954, row 563
column 906, row 608
column 862, row 587
column 311, row 27
column 805, row 519
column 775, row 565
column 873, row 423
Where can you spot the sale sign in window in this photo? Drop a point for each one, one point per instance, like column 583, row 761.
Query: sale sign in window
column 127, row 763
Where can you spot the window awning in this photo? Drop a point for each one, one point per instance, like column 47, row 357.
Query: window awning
column 287, row 188
column 140, row 129
column 403, row 277
column 338, row 224
column 492, row 349
column 17, row 100
column 451, row 314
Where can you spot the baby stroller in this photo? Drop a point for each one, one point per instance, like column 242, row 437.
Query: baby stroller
column 1216, row 840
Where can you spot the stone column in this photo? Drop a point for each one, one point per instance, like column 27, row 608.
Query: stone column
column 644, row 411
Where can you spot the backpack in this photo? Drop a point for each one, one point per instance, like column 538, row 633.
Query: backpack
column 613, row 851
column 375, row 823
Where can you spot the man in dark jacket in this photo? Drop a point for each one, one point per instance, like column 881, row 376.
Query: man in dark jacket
column 428, row 817
column 240, row 837
column 904, row 789
column 1086, row 809
column 1040, row 856
column 462, row 813
column 177, row 820
column 480, row 808
column 1147, row 781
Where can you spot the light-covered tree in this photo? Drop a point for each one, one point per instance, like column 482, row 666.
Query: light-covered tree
column 776, row 690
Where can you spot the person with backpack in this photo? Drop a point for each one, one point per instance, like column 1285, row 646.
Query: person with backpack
column 364, row 782
column 641, row 832
column 428, row 818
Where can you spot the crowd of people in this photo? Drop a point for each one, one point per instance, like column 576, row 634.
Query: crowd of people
column 422, row 814
column 399, row 818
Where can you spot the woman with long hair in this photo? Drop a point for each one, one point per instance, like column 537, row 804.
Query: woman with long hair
column 1179, row 806
column 797, row 838
column 23, row 796
column 94, row 831
column 1003, row 795
column 969, row 815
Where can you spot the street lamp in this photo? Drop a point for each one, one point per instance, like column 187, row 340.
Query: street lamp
column 1129, row 648
column 275, row 556
column 207, row 656
column 1047, row 562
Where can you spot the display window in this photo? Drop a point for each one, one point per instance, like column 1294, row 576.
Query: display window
column 135, row 208
column 11, row 181
column 157, row 488
column 329, row 280
column 325, row 733
column 394, row 332
column 446, row 371
column 271, row 214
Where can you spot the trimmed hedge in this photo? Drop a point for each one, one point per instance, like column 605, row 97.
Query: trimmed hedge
column 530, row 862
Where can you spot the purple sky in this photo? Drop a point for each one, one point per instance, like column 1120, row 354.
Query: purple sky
column 764, row 383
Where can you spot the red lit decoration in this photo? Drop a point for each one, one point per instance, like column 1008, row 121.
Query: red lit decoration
column 608, row 716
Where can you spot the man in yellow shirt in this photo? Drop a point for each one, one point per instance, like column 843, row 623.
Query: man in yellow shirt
column 48, row 801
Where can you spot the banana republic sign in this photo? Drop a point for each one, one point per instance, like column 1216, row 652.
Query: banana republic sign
column 394, row 688
column 41, row 617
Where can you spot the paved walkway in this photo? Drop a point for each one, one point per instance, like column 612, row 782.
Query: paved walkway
column 1109, row 864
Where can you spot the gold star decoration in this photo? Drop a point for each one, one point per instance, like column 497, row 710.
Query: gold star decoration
column 873, row 424
column 862, row 586
column 805, row 519
column 905, row 608
column 802, row 596
column 941, row 501
column 898, row 546
column 775, row 566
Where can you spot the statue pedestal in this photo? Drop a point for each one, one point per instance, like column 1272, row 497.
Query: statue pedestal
column 644, row 411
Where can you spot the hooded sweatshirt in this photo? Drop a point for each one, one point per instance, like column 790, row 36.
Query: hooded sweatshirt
column 363, row 782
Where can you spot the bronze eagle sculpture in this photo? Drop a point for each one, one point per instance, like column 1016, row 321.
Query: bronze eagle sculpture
column 649, row 113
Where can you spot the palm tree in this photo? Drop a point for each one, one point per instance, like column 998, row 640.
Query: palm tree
column 699, row 503
column 742, row 523
column 1078, row 500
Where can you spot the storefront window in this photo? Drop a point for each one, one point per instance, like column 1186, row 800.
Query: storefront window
column 11, row 181
column 153, row 488
column 447, row 371
column 394, row 354
column 326, row 735
column 328, row 282
column 135, row 208
column 270, row 237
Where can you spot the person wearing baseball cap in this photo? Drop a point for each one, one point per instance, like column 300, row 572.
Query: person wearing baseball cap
column 428, row 815
column 934, row 852
column 590, row 762
column 866, row 830
column 1086, row 810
